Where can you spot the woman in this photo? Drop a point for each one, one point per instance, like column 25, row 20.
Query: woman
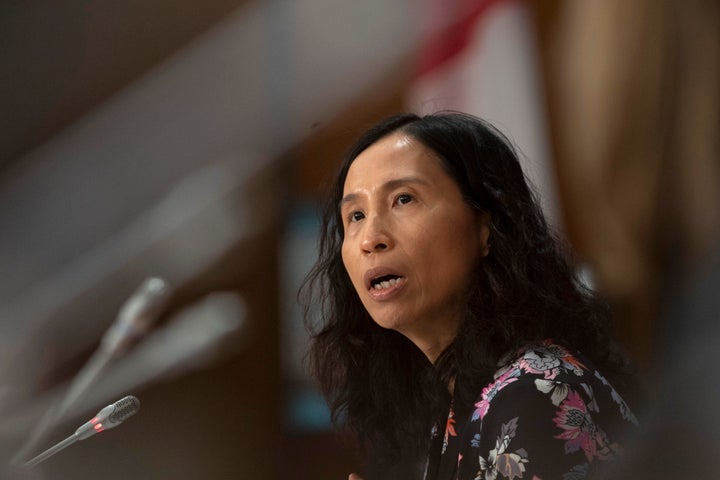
column 452, row 323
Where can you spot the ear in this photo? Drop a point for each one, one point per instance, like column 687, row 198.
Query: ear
column 483, row 220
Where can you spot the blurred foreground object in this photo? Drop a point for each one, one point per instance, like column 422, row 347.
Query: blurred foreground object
column 85, row 211
column 180, row 173
column 637, row 91
column 193, row 339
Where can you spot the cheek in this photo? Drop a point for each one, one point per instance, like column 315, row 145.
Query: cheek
column 344, row 256
column 348, row 262
column 458, row 253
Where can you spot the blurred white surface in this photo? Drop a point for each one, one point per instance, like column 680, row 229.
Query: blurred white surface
column 164, row 178
column 180, row 165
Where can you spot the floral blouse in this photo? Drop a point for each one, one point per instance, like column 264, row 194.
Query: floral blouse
column 547, row 415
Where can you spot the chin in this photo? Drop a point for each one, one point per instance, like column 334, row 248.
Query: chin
column 389, row 322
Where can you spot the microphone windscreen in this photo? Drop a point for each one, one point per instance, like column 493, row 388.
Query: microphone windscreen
column 124, row 408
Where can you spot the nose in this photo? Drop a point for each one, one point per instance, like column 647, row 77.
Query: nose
column 376, row 236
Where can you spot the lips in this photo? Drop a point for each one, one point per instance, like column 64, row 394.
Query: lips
column 381, row 276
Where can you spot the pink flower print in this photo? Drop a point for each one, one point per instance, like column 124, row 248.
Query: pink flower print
column 579, row 430
column 503, row 371
column 489, row 392
column 481, row 408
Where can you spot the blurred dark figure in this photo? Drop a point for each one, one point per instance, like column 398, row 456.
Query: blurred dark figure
column 636, row 86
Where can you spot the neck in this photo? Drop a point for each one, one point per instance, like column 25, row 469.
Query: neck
column 432, row 346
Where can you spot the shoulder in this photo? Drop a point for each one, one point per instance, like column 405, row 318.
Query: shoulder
column 547, row 359
column 537, row 367
column 550, row 373
column 550, row 410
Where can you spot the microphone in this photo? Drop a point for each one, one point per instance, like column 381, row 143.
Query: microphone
column 134, row 319
column 107, row 418
column 136, row 316
column 194, row 338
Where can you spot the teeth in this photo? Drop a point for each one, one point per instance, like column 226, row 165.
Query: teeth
column 386, row 284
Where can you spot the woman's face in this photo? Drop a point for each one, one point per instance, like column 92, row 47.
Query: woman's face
column 411, row 241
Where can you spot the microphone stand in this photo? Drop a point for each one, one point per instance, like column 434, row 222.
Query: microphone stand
column 52, row 451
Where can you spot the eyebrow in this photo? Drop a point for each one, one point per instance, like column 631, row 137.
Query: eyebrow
column 389, row 185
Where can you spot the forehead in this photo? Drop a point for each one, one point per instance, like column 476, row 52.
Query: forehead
column 395, row 156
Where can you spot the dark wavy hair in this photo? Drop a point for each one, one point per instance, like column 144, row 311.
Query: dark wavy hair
column 526, row 290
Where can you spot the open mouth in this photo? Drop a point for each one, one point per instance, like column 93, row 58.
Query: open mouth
column 385, row 281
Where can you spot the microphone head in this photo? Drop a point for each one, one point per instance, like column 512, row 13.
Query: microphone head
column 146, row 303
column 109, row 417
column 123, row 409
column 136, row 315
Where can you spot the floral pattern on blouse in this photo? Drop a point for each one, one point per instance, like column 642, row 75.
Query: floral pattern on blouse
column 548, row 414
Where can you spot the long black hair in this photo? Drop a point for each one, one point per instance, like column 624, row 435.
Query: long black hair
column 525, row 291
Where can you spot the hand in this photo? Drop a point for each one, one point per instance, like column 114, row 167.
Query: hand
column 354, row 476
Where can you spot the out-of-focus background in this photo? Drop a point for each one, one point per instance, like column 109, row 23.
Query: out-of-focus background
column 191, row 141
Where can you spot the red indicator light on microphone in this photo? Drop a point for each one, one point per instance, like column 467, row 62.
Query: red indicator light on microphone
column 94, row 420
column 98, row 427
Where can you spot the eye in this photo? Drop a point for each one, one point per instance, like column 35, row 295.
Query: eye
column 356, row 216
column 404, row 198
